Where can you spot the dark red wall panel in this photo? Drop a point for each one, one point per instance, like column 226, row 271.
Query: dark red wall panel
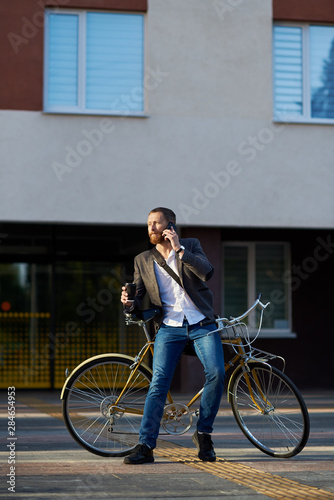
column 304, row 10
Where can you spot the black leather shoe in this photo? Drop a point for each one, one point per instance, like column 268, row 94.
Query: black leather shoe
column 204, row 444
column 142, row 454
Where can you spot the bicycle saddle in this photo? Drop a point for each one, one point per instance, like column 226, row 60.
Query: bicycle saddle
column 144, row 315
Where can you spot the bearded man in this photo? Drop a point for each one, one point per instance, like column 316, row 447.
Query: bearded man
column 187, row 306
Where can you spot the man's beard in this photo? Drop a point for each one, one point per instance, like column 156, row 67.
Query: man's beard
column 156, row 238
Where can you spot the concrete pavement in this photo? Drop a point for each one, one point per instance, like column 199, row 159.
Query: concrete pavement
column 50, row 465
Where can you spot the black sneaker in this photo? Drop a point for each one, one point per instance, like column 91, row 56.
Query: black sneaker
column 204, row 444
column 142, row 454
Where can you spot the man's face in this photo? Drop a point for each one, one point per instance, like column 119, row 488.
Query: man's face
column 156, row 223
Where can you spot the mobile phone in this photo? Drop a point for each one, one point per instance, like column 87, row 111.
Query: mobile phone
column 171, row 225
column 131, row 290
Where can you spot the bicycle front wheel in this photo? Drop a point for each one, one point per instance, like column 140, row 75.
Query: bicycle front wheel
column 270, row 410
column 94, row 414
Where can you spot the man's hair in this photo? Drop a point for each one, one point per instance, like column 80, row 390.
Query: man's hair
column 167, row 213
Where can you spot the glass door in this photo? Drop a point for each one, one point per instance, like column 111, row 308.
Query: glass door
column 25, row 325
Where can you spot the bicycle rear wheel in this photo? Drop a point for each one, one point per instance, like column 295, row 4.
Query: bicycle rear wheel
column 90, row 413
column 270, row 410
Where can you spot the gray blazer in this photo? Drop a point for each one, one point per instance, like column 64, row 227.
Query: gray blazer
column 194, row 269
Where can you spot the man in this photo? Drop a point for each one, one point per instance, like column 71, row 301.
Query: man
column 185, row 305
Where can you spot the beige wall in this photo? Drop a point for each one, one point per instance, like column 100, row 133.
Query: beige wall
column 208, row 146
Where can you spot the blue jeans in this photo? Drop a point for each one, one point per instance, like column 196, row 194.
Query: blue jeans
column 168, row 347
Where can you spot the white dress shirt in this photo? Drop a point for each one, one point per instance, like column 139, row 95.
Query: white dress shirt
column 177, row 305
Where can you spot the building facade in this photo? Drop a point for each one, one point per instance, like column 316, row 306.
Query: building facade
column 220, row 109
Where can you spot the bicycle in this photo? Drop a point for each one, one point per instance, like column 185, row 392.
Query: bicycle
column 103, row 398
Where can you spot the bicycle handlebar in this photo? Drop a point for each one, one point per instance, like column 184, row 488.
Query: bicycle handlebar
column 257, row 302
column 232, row 320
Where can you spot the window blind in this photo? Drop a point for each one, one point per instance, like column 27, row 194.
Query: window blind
column 63, row 60
column 114, row 62
column 288, row 70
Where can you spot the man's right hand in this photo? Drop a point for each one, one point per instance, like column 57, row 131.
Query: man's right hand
column 124, row 298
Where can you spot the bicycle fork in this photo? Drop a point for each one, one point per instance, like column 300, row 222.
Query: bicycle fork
column 256, row 393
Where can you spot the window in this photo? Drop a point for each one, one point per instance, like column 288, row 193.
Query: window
column 94, row 62
column 251, row 268
column 304, row 73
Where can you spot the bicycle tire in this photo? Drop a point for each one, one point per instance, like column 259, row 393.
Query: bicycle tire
column 88, row 410
column 276, row 420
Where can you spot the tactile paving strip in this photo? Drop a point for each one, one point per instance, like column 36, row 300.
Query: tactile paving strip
column 262, row 482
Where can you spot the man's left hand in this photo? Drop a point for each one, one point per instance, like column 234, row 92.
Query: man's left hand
column 173, row 237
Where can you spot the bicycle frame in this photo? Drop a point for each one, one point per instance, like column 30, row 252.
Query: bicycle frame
column 240, row 359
